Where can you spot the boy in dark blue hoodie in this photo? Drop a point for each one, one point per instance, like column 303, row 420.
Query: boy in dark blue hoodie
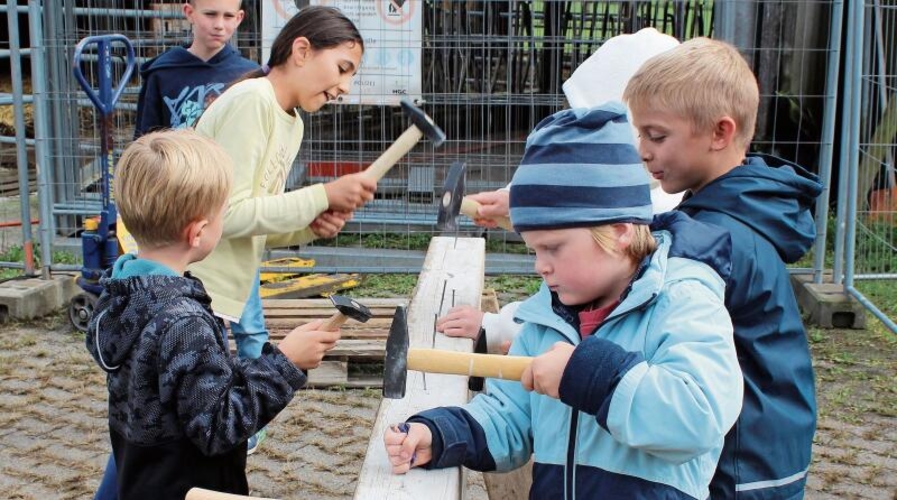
column 695, row 107
column 180, row 83
column 181, row 408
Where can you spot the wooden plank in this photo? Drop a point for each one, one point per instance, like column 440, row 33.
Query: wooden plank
column 451, row 264
column 329, row 372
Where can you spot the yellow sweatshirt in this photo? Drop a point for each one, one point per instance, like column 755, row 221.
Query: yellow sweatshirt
column 262, row 140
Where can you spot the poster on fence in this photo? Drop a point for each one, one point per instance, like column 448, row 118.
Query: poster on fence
column 391, row 67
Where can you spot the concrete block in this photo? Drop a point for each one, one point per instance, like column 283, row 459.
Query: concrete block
column 30, row 298
column 827, row 305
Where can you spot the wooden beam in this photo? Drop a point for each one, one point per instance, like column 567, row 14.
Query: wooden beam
column 453, row 268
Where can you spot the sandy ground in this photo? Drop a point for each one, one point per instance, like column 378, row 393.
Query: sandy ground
column 54, row 442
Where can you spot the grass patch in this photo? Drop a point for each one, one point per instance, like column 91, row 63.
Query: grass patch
column 16, row 253
column 384, row 286
column 509, row 287
column 855, row 370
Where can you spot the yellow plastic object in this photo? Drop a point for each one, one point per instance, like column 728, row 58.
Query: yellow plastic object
column 91, row 224
column 309, row 285
column 296, row 265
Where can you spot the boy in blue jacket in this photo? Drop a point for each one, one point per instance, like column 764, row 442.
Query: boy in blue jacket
column 695, row 107
column 181, row 409
column 180, row 83
column 634, row 381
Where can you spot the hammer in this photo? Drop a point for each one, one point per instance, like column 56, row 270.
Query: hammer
column 400, row 358
column 454, row 202
column 421, row 125
column 345, row 308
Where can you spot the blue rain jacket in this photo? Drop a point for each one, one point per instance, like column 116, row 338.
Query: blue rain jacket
column 765, row 204
column 645, row 401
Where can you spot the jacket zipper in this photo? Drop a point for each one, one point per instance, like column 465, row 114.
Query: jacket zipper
column 570, row 473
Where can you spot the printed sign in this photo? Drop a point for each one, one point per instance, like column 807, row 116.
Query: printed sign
column 391, row 67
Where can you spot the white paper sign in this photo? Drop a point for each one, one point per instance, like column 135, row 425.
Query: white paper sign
column 391, row 67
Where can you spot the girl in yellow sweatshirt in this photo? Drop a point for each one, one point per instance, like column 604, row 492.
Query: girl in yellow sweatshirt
column 257, row 122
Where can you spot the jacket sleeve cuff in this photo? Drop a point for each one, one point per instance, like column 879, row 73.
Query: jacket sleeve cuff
column 458, row 439
column 292, row 374
column 592, row 375
column 319, row 195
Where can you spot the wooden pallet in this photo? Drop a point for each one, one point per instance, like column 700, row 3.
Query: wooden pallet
column 9, row 182
column 357, row 359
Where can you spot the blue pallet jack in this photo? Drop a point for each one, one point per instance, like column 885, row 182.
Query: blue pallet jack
column 99, row 245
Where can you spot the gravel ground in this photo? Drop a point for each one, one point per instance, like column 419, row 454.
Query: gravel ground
column 54, row 436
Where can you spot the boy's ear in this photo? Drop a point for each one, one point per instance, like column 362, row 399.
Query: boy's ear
column 194, row 231
column 188, row 11
column 723, row 133
column 301, row 50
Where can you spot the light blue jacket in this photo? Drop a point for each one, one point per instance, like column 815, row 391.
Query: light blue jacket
column 645, row 401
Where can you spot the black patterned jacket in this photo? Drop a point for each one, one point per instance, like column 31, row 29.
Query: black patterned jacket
column 180, row 407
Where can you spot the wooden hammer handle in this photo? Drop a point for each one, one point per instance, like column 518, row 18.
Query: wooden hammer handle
column 471, row 207
column 394, row 153
column 465, row 363
column 334, row 322
column 201, row 494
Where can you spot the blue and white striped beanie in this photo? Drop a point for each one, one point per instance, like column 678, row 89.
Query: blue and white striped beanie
column 580, row 169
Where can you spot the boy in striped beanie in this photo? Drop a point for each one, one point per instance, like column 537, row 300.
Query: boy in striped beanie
column 634, row 380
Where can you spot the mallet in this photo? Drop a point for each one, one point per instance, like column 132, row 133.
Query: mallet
column 400, row 358
column 421, row 125
column 346, row 308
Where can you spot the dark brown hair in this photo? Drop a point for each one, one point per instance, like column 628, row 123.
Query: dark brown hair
column 324, row 27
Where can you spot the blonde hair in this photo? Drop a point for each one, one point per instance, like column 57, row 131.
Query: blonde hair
column 701, row 80
column 166, row 180
column 642, row 245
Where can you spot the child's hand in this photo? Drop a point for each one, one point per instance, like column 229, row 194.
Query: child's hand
column 350, row 192
column 461, row 321
column 505, row 346
column 306, row 345
column 407, row 446
column 329, row 223
column 545, row 372
column 492, row 204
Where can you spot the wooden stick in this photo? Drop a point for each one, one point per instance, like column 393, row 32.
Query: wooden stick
column 201, row 494
column 394, row 153
column 334, row 322
column 466, row 363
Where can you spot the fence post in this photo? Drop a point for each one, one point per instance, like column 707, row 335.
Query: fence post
column 41, row 137
column 828, row 139
column 15, row 62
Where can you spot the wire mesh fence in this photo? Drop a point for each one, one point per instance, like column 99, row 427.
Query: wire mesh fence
column 491, row 70
column 872, row 187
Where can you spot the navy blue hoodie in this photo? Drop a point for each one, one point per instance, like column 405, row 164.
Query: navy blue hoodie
column 766, row 206
column 177, row 86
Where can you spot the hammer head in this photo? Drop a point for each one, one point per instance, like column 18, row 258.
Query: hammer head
column 423, row 122
column 349, row 307
column 452, row 194
column 395, row 366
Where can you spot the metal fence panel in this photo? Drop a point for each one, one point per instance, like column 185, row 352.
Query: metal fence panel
column 492, row 70
column 871, row 246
